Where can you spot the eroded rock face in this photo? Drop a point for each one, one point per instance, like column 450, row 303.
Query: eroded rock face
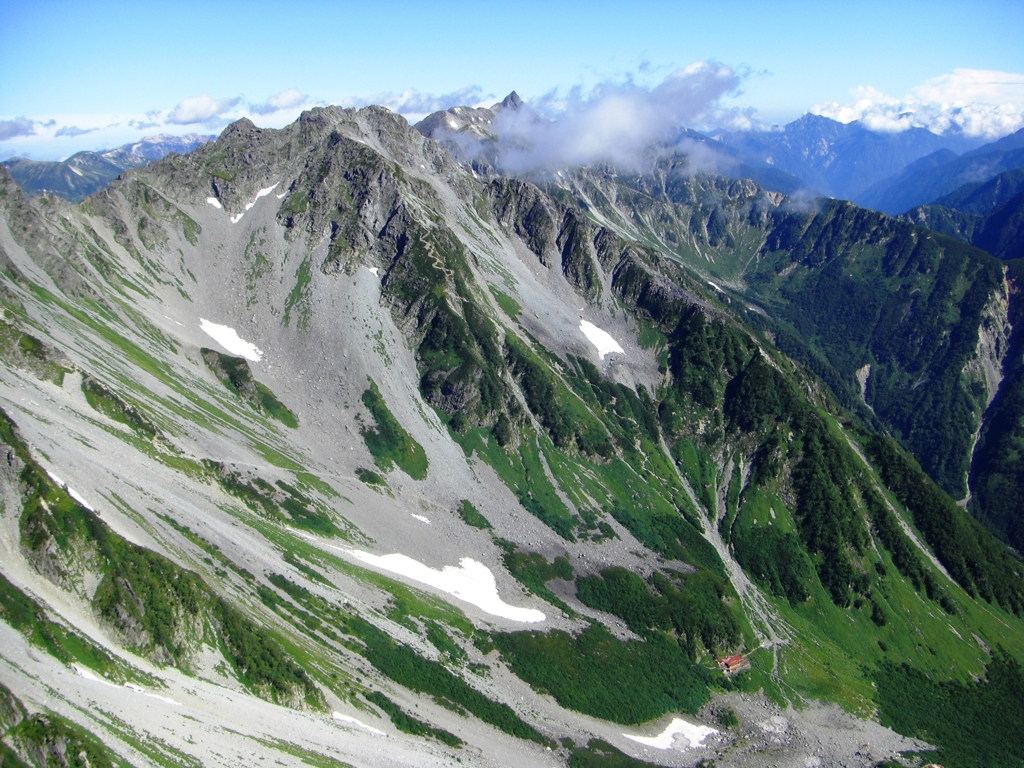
column 987, row 367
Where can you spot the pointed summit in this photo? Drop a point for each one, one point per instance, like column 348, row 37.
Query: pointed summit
column 512, row 101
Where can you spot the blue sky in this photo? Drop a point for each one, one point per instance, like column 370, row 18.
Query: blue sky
column 94, row 68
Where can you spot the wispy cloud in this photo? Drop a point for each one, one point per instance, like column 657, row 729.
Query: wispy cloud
column 976, row 102
column 288, row 99
column 73, row 130
column 414, row 103
column 19, row 126
column 615, row 122
column 201, row 109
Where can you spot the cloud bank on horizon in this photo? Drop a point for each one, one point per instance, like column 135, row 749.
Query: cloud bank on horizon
column 977, row 102
column 48, row 139
column 613, row 121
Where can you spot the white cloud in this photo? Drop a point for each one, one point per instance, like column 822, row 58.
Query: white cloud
column 201, row 109
column 615, row 122
column 414, row 104
column 288, row 99
column 74, row 130
column 973, row 86
column 19, row 126
column 977, row 102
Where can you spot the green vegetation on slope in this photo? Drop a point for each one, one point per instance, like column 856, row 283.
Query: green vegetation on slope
column 692, row 608
column 283, row 503
column 979, row 563
column 456, row 350
column 395, row 660
column 22, row 350
column 997, row 472
column 471, row 515
column 387, row 442
column 53, row 741
column 601, row 754
column 150, row 601
column 406, row 723
column 870, row 290
column 236, row 375
column 66, row 645
column 979, row 724
column 115, row 408
column 534, row 572
column 585, row 673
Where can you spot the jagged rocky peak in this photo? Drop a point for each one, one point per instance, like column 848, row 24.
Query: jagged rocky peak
column 512, row 101
column 462, row 119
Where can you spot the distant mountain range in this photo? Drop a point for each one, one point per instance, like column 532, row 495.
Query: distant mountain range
column 86, row 172
column 839, row 159
column 987, row 215
column 943, row 172
column 891, row 172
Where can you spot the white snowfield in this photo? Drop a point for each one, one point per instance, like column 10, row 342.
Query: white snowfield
column 214, row 202
column 88, row 675
column 601, row 339
column 422, row 519
column 78, row 497
column 679, row 734
column 346, row 719
column 70, row 491
column 262, row 193
column 471, row 581
column 228, row 338
column 144, row 692
column 75, row 170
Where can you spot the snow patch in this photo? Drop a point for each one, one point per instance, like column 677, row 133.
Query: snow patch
column 715, row 287
column 679, row 734
column 144, row 692
column 281, row 196
column 214, row 202
column 452, row 123
column 601, row 339
column 422, row 519
column 472, row 582
column 375, row 271
column 88, row 675
column 261, row 193
column 70, row 491
column 346, row 719
column 78, row 497
column 75, row 170
column 228, row 338
column 237, row 218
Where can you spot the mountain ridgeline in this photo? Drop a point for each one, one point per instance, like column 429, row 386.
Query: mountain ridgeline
column 478, row 449
column 86, row 172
